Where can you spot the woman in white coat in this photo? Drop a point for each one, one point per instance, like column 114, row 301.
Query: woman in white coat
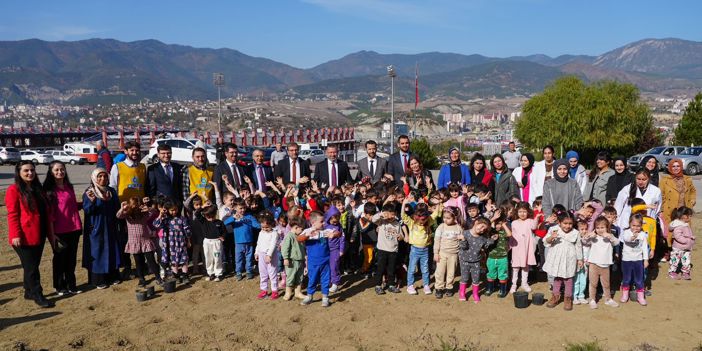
column 529, row 179
column 643, row 189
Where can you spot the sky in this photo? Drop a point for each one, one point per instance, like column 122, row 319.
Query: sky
column 305, row 33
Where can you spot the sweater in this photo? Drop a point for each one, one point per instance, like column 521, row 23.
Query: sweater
column 65, row 210
column 291, row 249
column 317, row 246
column 500, row 247
column 601, row 250
column 388, row 231
column 471, row 247
column 446, row 239
column 634, row 249
column 243, row 228
column 567, row 194
column 267, row 242
column 682, row 235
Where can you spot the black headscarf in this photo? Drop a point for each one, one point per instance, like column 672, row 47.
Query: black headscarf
column 557, row 163
column 525, row 170
column 654, row 173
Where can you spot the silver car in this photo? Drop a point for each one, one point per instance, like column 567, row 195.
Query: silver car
column 692, row 160
column 9, row 155
column 661, row 153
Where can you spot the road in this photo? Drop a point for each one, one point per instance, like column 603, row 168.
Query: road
column 80, row 177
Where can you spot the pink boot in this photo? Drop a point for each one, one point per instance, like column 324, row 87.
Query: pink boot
column 641, row 297
column 462, row 291
column 476, row 295
column 625, row 295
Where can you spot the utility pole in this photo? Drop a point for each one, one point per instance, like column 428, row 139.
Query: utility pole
column 218, row 80
column 392, row 75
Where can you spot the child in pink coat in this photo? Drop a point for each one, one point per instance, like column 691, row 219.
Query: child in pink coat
column 523, row 245
column 683, row 241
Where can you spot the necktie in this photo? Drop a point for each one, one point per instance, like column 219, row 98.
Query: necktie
column 235, row 175
column 333, row 174
column 294, row 171
column 372, row 168
column 261, row 179
column 169, row 172
column 404, row 163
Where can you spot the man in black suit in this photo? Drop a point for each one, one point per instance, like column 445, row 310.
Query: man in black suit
column 259, row 172
column 229, row 168
column 332, row 172
column 399, row 161
column 300, row 174
column 165, row 177
column 372, row 167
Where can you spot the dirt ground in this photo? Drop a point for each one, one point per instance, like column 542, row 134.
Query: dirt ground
column 227, row 316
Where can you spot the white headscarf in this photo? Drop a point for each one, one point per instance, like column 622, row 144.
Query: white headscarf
column 102, row 192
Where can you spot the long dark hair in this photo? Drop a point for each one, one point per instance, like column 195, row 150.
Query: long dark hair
column 604, row 156
column 476, row 157
column 633, row 187
column 492, row 163
column 50, row 181
column 409, row 170
column 32, row 192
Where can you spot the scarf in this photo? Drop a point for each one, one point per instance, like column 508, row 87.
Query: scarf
column 670, row 168
column 572, row 171
column 527, row 170
column 457, row 162
column 654, row 172
column 102, row 192
column 556, row 164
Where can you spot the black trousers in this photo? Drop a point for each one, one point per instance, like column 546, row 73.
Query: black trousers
column 30, row 258
column 386, row 264
column 64, row 262
column 352, row 256
column 144, row 259
column 228, row 247
column 122, row 238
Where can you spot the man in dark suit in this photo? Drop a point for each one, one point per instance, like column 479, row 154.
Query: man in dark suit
column 332, row 172
column 259, row 172
column 399, row 161
column 229, row 168
column 300, row 174
column 372, row 167
column 165, row 177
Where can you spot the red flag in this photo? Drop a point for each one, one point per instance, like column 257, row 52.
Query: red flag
column 416, row 86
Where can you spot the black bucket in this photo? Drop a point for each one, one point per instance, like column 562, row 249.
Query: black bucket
column 537, row 299
column 169, row 286
column 150, row 291
column 141, row 295
column 521, row 299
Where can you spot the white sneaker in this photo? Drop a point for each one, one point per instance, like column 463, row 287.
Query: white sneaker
column 526, row 287
column 411, row 290
column 593, row 304
column 576, row 302
column 611, row 303
column 427, row 290
column 334, row 288
column 583, row 301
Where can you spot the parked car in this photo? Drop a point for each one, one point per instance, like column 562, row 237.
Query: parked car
column 312, row 155
column 67, row 157
column 662, row 153
column 247, row 159
column 89, row 151
column 36, row 157
column 9, row 155
column 182, row 150
column 691, row 158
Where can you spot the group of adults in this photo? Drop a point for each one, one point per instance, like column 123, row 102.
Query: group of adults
column 50, row 211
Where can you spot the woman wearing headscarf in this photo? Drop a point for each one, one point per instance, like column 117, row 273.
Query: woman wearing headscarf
column 101, row 253
column 641, row 188
column 506, row 186
column 677, row 190
column 621, row 178
column 527, row 179
column 651, row 164
column 596, row 188
column 29, row 224
column 561, row 189
column 479, row 174
column 454, row 172
column 576, row 170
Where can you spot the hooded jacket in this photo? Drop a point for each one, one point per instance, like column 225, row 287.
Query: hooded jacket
column 337, row 243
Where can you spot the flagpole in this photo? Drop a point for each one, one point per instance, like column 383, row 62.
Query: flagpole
column 416, row 97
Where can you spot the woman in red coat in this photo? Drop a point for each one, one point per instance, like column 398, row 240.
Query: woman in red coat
column 29, row 225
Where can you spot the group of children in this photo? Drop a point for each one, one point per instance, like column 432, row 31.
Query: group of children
column 388, row 233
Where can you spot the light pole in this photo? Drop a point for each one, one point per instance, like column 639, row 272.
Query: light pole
column 392, row 75
column 218, row 80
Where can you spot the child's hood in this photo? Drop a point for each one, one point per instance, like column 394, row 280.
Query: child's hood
column 677, row 223
column 331, row 212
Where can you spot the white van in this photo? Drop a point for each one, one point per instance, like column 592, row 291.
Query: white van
column 88, row 151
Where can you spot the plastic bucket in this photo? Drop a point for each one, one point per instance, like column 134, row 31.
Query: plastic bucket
column 150, row 291
column 521, row 299
column 169, row 286
column 537, row 299
column 141, row 295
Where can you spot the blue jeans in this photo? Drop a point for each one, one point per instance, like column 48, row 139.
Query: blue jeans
column 418, row 255
column 580, row 284
column 244, row 257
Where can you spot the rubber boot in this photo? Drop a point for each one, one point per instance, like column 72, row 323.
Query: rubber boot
column 298, row 293
column 553, row 301
column 476, row 293
column 503, row 290
column 568, row 303
column 288, row 293
column 283, row 279
column 489, row 287
column 641, row 297
column 625, row 294
column 462, row 291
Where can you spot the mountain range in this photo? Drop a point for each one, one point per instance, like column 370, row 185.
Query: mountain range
column 95, row 70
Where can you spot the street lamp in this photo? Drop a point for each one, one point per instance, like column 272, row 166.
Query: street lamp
column 392, row 75
column 218, row 80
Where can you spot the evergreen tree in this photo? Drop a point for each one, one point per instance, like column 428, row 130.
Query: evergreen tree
column 422, row 149
column 689, row 130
